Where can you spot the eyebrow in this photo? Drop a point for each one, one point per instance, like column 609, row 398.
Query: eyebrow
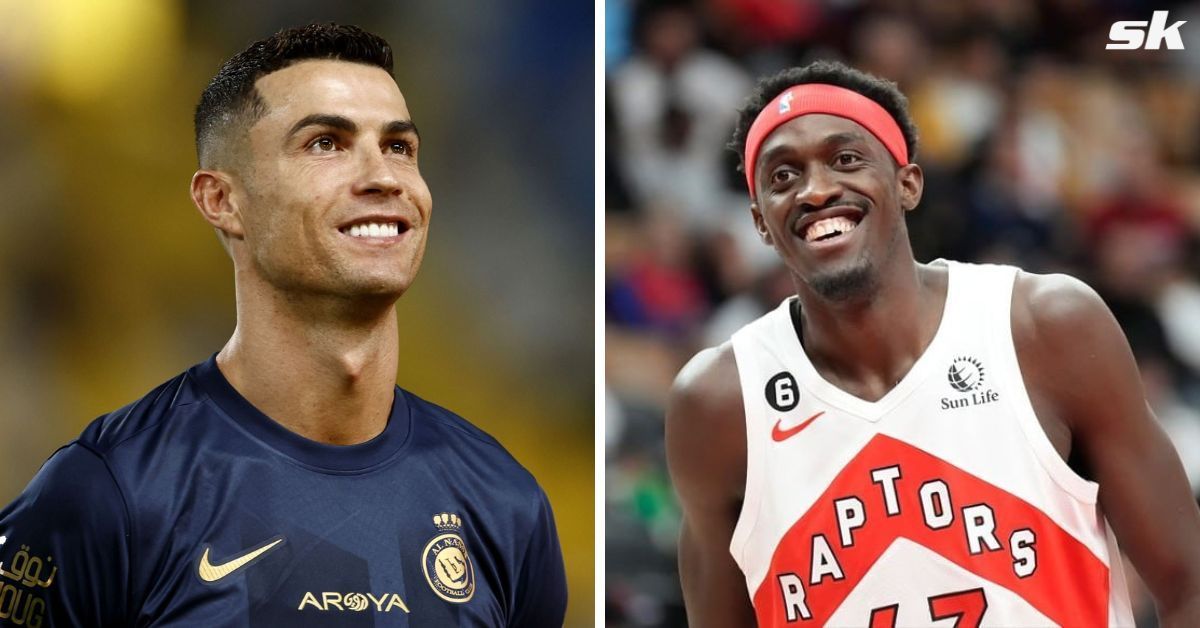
column 843, row 138
column 395, row 127
column 836, row 139
column 400, row 127
column 324, row 119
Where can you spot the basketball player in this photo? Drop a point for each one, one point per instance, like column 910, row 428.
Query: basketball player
column 890, row 447
column 287, row 481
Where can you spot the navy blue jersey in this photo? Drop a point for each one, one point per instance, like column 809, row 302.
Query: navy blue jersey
column 192, row 508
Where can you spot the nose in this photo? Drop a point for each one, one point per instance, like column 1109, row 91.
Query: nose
column 376, row 176
column 819, row 190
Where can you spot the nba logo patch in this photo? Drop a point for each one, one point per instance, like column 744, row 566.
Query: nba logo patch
column 785, row 103
column 447, row 565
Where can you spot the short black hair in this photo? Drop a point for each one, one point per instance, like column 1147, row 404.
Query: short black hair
column 231, row 101
column 882, row 91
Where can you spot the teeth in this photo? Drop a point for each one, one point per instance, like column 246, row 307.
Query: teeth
column 822, row 228
column 374, row 230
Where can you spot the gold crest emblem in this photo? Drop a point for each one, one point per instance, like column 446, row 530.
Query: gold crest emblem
column 447, row 564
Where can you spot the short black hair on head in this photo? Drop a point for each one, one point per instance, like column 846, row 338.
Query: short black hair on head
column 231, row 101
column 882, row 91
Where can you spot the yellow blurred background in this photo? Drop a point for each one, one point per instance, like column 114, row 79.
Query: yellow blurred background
column 110, row 283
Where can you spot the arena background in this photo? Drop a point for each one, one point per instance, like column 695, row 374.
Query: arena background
column 1040, row 147
column 110, row 282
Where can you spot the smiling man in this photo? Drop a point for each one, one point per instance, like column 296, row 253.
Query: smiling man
column 902, row 443
column 288, row 480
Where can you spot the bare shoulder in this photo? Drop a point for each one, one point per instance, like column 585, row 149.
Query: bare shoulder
column 1056, row 305
column 1061, row 323
column 705, row 426
column 1066, row 336
column 706, row 388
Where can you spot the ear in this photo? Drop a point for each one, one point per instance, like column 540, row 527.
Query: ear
column 911, row 180
column 760, row 225
column 212, row 192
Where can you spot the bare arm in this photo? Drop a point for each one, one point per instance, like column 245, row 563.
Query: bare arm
column 1079, row 370
column 706, row 453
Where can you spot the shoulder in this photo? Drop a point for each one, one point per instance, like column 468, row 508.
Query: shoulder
column 74, row 487
column 73, row 509
column 74, row 516
column 705, row 424
column 471, row 457
column 87, row 479
column 449, row 423
column 1059, row 311
column 1073, row 355
column 442, row 429
column 707, row 383
column 110, row 431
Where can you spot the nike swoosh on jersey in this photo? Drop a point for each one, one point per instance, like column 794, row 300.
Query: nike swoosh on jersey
column 211, row 573
column 782, row 435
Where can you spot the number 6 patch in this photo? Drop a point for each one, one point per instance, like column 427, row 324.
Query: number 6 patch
column 782, row 393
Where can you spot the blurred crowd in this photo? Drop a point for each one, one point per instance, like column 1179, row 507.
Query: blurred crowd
column 1040, row 148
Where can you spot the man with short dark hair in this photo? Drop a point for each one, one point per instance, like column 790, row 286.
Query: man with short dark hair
column 288, row 480
column 904, row 443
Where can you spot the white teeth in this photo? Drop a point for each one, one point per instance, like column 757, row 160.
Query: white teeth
column 822, row 228
column 374, row 230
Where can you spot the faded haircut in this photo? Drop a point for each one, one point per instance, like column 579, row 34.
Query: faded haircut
column 231, row 104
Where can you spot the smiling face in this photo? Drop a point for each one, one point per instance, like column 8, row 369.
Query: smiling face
column 331, row 200
column 830, row 200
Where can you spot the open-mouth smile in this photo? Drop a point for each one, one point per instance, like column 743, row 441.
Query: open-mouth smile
column 827, row 226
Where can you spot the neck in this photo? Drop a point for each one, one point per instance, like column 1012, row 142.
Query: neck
column 866, row 346
column 323, row 367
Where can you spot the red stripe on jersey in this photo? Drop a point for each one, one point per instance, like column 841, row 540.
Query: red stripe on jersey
column 1070, row 585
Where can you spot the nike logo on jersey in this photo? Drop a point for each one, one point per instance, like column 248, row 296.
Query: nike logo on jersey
column 782, row 435
column 212, row 573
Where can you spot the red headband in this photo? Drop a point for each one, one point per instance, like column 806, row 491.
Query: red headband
column 829, row 99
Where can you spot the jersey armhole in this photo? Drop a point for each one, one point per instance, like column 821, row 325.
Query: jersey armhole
column 752, row 495
column 1005, row 349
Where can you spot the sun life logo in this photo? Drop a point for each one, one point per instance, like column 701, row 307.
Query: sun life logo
column 965, row 374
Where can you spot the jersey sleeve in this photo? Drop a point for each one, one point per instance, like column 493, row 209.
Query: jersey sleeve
column 541, row 594
column 64, row 546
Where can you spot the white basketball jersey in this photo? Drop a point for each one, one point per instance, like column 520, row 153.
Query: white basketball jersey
column 943, row 503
